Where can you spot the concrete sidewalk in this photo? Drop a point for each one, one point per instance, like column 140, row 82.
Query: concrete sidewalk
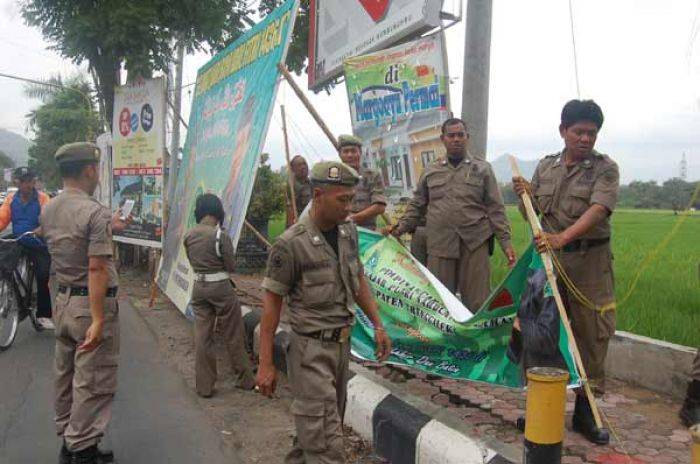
column 156, row 416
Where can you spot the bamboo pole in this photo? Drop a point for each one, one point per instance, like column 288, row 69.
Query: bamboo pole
column 307, row 104
column 290, row 174
column 551, row 277
column 260, row 236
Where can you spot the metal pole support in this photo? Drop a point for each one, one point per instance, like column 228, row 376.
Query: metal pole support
column 695, row 446
column 544, row 415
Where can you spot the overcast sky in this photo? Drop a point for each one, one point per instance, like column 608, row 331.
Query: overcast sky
column 639, row 59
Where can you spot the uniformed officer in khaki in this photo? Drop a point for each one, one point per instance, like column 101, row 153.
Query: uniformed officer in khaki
column 575, row 192
column 315, row 265
column 690, row 412
column 369, row 201
column 211, row 255
column 459, row 198
column 302, row 188
column 78, row 232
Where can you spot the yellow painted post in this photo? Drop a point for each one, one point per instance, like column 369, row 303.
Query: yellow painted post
column 695, row 446
column 544, row 415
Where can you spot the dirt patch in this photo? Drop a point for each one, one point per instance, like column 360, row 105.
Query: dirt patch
column 260, row 429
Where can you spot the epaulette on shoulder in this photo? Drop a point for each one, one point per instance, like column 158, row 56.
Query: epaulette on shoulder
column 294, row 231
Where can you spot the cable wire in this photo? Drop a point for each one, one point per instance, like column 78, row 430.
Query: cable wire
column 573, row 44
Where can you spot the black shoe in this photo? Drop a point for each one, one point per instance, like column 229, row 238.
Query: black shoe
column 690, row 412
column 584, row 423
column 86, row 456
column 66, row 457
column 104, row 456
column 520, row 423
column 92, row 455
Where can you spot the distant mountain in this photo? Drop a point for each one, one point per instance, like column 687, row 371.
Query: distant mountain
column 504, row 174
column 15, row 146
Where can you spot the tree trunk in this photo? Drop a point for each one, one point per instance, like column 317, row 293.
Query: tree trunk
column 107, row 68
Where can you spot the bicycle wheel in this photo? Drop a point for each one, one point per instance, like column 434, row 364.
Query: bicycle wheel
column 28, row 291
column 9, row 315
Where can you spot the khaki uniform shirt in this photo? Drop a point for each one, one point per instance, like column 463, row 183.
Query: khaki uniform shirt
column 563, row 194
column 200, row 245
column 368, row 192
column 461, row 204
column 76, row 226
column 319, row 284
column 302, row 194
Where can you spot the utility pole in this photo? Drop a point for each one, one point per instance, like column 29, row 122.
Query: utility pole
column 684, row 168
column 475, row 85
column 175, row 140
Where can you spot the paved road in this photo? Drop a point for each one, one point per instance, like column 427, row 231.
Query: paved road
column 156, row 417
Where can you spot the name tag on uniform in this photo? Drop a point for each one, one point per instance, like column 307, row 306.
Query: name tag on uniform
column 315, row 265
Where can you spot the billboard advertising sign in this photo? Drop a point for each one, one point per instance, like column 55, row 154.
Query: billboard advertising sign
column 228, row 124
column 138, row 146
column 341, row 29
column 398, row 99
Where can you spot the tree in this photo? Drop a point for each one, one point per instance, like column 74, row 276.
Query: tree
column 138, row 34
column 676, row 194
column 267, row 198
column 65, row 115
column 5, row 161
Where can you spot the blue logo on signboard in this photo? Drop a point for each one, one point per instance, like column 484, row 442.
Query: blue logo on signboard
column 147, row 117
column 134, row 122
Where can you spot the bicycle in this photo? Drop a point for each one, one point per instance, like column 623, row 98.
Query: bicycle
column 16, row 290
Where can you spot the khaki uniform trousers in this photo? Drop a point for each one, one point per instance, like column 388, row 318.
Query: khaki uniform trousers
column 419, row 245
column 592, row 273
column 85, row 381
column 318, row 377
column 695, row 374
column 216, row 302
column 469, row 275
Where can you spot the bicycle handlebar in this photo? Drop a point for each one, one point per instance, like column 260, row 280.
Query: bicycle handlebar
column 16, row 239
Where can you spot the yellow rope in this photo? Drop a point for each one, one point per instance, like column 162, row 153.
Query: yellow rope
column 649, row 258
column 585, row 301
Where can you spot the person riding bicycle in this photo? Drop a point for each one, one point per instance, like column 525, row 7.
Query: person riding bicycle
column 22, row 209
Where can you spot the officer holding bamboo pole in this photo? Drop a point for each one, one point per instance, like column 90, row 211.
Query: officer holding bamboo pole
column 575, row 192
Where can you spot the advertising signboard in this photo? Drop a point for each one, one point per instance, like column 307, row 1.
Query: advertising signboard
column 138, row 147
column 342, row 29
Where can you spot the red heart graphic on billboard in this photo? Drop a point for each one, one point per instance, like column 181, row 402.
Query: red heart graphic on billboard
column 375, row 8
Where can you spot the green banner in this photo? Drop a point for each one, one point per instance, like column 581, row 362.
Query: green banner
column 431, row 330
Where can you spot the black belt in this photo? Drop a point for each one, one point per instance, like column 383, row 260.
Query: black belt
column 584, row 244
column 83, row 291
column 338, row 335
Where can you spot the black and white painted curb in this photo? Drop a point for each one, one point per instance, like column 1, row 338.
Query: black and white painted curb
column 398, row 431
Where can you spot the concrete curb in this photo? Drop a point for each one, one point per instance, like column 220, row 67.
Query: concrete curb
column 400, row 431
column 667, row 364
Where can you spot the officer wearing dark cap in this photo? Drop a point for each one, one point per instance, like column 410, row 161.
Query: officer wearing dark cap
column 22, row 209
column 315, row 265
column 78, row 231
column 369, row 201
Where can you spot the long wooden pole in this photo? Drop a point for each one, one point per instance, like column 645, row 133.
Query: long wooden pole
column 290, row 174
column 551, row 277
column 307, row 104
column 260, row 236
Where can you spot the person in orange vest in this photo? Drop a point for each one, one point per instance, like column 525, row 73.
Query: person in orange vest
column 22, row 209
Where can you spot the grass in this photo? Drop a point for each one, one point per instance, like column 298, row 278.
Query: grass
column 665, row 301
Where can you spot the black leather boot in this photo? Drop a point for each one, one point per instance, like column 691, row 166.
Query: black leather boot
column 584, row 423
column 66, row 456
column 690, row 412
